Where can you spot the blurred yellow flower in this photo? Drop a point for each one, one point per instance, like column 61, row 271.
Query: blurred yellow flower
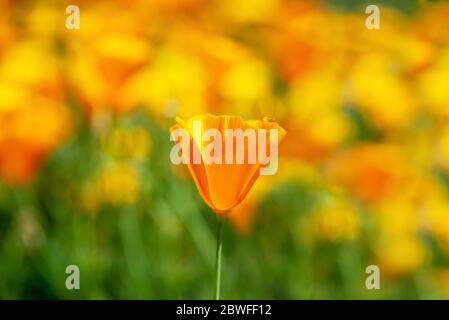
column 335, row 220
column 113, row 184
column 380, row 91
column 315, row 118
column 442, row 148
column 399, row 215
column 407, row 50
column 34, row 65
column 399, row 222
column 122, row 17
column 246, row 85
column 400, row 256
column 318, row 136
column 249, row 11
column 436, row 210
column 133, row 143
column 433, row 86
column 174, row 84
column 316, row 94
column 52, row 13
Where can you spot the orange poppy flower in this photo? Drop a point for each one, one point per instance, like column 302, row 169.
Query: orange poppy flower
column 223, row 181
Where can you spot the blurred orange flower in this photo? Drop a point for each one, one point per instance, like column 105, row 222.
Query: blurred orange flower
column 224, row 185
column 104, row 54
column 302, row 38
column 33, row 117
column 371, row 172
column 28, row 131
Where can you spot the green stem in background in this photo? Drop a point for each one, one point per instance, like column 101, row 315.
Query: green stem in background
column 218, row 257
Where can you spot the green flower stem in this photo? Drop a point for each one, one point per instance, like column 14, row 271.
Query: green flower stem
column 218, row 257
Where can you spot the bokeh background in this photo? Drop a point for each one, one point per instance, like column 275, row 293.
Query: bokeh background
column 85, row 176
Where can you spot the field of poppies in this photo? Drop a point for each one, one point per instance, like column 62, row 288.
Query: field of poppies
column 363, row 166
